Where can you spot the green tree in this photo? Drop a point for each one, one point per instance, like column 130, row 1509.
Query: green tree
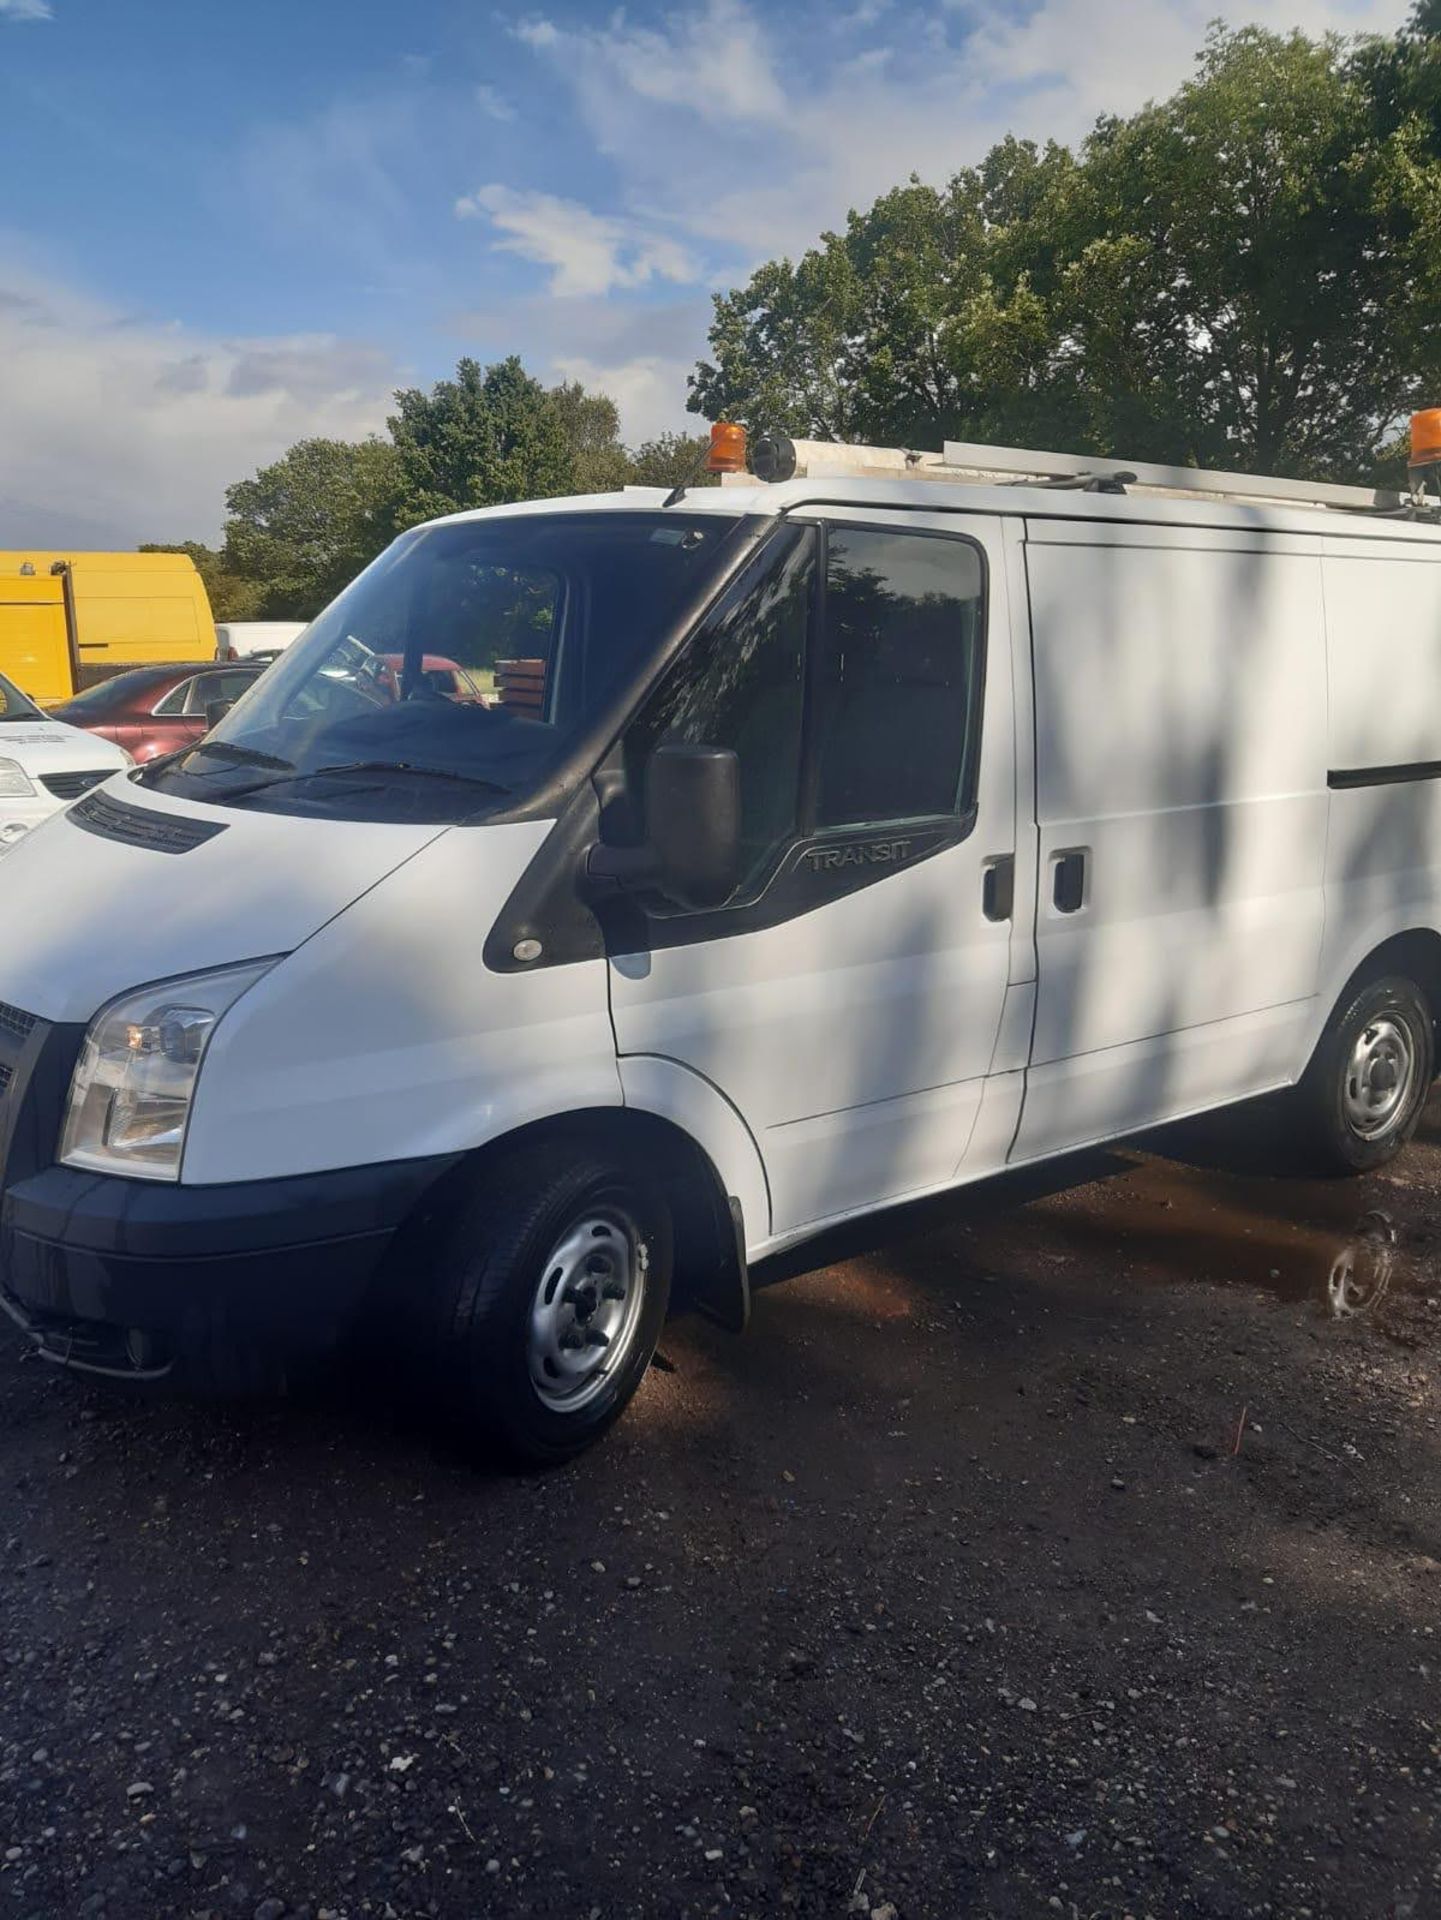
column 489, row 435
column 230, row 597
column 922, row 321
column 304, row 526
column 1241, row 275
column 590, row 424
column 670, row 460
column 1238, row 268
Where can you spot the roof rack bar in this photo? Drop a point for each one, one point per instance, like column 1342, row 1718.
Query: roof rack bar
column 1020, row 462
column 967, row 462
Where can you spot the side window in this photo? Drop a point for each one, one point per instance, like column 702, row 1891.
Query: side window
column 897, row 676
column 204, row 688
column 173, row 705
column 232, row 685
column 740, row 684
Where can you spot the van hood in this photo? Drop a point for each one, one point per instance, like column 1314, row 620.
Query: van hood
column 85, row 917
column 49, row 746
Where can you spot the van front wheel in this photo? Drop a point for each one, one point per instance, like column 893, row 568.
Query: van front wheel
column 552, row 1288
column 1362, row 1095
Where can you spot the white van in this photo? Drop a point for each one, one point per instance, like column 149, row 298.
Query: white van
column 44, row 765
column 255, row 639
column 831, row 842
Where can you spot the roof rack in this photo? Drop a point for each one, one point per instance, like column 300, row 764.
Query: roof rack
column 773, row 457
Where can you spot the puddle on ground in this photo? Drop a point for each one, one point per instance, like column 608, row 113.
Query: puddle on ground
column 1206, row 1209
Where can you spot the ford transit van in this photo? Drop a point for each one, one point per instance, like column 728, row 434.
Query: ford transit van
column 829, row 841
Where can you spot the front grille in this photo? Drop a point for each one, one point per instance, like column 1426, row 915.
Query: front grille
column 139, row 827
column 6, row 1075
column 18, row 1025
column 70, row 786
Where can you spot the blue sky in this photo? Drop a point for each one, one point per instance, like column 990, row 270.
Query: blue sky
column 225, row 227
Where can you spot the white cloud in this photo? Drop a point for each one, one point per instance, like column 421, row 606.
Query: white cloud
column 648, row 391
column 118, row 430
column 778, row 144
column 493, row 102
column 26, row 10
column 586, row 252
column 638, row 351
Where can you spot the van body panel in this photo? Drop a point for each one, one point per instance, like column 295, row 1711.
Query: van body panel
column 1383, row 643
column 1171, row 690
column 130, row 609
column 1181, row 766
column 854, row 1039
column 678, row 1094
column 101, row 918
column 34, row 639
column 425, row 1052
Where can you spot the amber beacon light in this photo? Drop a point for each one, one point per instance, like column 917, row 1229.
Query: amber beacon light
column 1426, row 438
column 728, row 448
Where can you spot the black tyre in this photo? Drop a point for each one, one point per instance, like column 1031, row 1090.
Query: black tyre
column 549, row 1292
column 1362, row 1095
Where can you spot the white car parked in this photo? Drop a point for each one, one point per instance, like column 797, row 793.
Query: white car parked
column 44, row 765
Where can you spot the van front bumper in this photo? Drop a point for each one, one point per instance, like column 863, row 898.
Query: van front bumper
column 227, row 1284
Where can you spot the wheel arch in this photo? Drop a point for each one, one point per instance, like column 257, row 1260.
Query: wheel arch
column 711, row 1274
column 1414, row 952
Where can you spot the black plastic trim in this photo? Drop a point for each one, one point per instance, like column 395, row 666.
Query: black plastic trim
column 129, row 1276
column 1339, row 779
column 70, row 786
column 164, row 1221
column 143, row 826
column 15, row 1022
column 810, row 873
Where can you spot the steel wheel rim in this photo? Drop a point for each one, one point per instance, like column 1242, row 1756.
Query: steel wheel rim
column 1380, row 1076
column 585, row 1312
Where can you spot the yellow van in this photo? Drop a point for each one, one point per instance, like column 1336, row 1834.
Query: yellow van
column 70, row 619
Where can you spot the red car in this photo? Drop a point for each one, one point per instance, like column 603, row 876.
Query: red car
column 155, row 710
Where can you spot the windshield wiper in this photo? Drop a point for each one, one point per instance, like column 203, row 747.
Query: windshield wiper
column 250, row 756
column 296, row 775
column 406, row 766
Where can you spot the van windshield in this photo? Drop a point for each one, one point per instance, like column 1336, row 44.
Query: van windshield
column 452, row 676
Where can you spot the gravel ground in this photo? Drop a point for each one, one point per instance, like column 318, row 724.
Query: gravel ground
column 1074, row 1550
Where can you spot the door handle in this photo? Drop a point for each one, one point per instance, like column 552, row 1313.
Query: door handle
column 1068, row 881
column 998, row 887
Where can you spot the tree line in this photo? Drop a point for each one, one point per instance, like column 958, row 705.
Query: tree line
column 300, row 529
column 1245, row 275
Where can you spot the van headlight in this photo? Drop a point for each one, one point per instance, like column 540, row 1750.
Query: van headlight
column 133, row 1083
column 15, row 783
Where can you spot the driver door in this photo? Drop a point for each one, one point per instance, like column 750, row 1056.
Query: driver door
column 846, row 1001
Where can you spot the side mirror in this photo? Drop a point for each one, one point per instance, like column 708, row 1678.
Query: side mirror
column 693, row 820
column 693, row 829
column 215, row 712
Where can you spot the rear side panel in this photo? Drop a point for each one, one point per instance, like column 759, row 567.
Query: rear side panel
column 1383, row 645
column 34, row 640
column 1181, row 799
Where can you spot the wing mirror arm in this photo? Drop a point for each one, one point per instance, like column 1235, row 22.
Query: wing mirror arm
column 691, row 852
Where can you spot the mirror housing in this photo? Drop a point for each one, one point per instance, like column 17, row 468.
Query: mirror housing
column 693, row 820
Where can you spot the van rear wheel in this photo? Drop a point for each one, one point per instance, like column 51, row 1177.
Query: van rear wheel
column 552, row 1286
column 1362, row 1095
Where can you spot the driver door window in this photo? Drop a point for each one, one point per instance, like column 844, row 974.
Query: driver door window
column 741, row 685
column 852, row 703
